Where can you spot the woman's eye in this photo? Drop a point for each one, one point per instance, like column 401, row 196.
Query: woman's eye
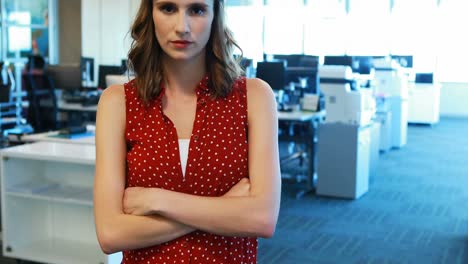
column 198, row 10
column 168, row 8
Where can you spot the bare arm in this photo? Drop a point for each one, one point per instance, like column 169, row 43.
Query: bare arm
column 253, row 215
column 117, row 231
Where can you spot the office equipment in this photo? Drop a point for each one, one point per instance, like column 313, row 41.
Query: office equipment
column 405, row 61
column 117, row 79
column 272, row 72
column 392, row 83
column 308, row 74
column 105, row 70
column 65, row 76
column 47, row 204
column 87, row 70
column 343, row 104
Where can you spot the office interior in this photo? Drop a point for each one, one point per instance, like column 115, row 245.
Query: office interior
column 372, row 113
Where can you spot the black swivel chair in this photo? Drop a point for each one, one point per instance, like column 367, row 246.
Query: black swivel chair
column 42, row 111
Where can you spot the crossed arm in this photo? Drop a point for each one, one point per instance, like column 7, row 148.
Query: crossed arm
column 140, row 217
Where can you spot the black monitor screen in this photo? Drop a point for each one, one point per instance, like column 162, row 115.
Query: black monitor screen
column 339, row 60
column 405, row 61
column 424, row 78
column 66, row 77
column 309, row 61
column 274, row 73
column 108, row 70
column 87, row 68
column 124, row 65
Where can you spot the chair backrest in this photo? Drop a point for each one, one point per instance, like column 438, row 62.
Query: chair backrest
column 35, row 62
column 42, row 111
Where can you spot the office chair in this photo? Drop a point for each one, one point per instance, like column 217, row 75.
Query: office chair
column 42, row 111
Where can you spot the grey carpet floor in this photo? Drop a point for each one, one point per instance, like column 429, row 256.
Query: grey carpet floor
column 416, row 209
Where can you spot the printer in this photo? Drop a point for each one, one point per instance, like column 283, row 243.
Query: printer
column 345, row 102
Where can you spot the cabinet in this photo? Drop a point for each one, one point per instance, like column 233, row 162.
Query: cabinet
column 47, row 204
column 424, row 103
column 344, row 156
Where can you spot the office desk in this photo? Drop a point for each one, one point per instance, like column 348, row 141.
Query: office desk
column 308, row 123
column 75, row 107
column 53, row 136
column 75, row 114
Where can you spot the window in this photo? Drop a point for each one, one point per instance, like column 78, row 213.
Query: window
column 239, row 19
column 324, row 27
column 452, row 54
column 283, row 30
column 25, row 28
column 367, row 25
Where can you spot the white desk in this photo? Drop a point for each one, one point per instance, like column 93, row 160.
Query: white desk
column 300, row 116
column 53, row 137
column 64, row 106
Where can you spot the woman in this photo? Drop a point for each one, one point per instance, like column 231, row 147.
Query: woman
column 184, row 173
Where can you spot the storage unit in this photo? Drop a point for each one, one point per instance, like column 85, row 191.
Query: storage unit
column 344, row 152
column 47, row 204
column 424, row 103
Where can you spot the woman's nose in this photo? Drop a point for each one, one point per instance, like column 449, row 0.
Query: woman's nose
column 183, row 26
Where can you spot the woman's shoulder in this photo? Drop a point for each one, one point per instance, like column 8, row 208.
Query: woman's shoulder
column 113, row 95
column 258, row 90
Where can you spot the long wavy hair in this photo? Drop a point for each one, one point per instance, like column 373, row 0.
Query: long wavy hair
column 144, row 57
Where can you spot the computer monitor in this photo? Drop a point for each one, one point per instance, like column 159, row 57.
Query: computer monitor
column 339, row 60
column 293, row 60
column 272, row 72
column 124, row 65
column 405, row 61
column 108, row 70
column 87, row 69
column 65, row 76
column 427, row 77
column 309, row 61
column 363, row 64
column 294, row 74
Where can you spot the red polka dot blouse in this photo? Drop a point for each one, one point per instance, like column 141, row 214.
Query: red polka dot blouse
column 217, row 160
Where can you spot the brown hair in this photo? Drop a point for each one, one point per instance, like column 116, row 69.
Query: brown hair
column 144, row 57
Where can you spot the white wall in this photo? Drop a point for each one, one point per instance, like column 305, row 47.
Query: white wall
column 105, row 26
column 454, row 99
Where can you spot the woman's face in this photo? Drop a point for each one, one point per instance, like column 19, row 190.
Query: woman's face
column 183, row 27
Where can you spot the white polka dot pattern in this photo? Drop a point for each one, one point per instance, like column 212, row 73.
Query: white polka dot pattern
column 217, row 160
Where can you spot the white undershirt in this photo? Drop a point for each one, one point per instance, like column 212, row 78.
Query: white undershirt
column 183, row 150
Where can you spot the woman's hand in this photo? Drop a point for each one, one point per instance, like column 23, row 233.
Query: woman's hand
column 139, row 200
column 242, row 188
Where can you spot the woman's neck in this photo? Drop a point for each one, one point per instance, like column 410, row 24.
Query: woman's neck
column 183, row 76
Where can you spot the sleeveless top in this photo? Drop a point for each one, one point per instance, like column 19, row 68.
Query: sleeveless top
column 217, row 160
